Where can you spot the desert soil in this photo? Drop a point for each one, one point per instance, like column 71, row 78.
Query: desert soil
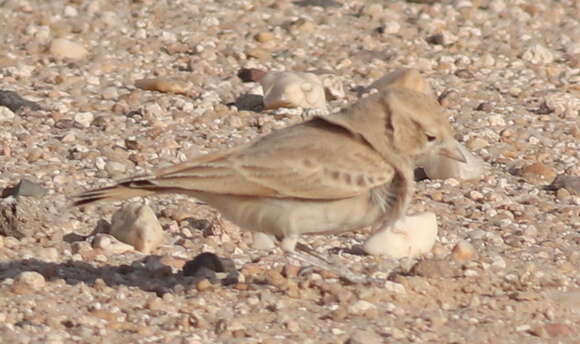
column 507, row 72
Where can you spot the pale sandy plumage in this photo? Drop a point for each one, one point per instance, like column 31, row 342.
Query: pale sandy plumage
column 330, row 174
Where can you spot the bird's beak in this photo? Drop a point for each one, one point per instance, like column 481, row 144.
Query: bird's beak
column 453, row 152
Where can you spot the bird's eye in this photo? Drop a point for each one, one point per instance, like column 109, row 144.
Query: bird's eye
column 431, row 138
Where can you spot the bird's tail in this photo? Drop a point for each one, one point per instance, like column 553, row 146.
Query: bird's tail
column 117, row 192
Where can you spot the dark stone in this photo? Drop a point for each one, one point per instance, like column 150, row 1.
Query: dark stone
column 24, row 216
column 570, row 183
column 250, row 102
column 232, row 278
column 435, row 268
column 204, row 260
column 29, row 189
column 420, row 174
column 64, row 124
column 436, row 39
column 251, row 74
column 463, row 74
column 485, row 107
column 15, row 102
column 203, row 225
column 203, row 273
column 318, row 3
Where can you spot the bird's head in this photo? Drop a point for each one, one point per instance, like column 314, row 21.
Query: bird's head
column 418, row 124
column 400, row 123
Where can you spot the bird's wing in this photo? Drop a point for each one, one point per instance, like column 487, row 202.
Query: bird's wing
column 315, row 160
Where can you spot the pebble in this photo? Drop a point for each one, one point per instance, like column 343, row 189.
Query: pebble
column 434, row 268
column 364, row 337
column 208, row 260
column 163, row 85
column 64, row 48
column 464, row 252
column 318, row 3
column 360, row 307
column 552, row 330
column 390, row 28
column 84, row 119
column 259, row 53
column 110, row 93
column 538, row 54
column 28, row 281
column 538, row 173
column 137, row 226
column 569, row 183
column 203, row 285
column 28, row 188
column 251, row 74
column 477, row 143
column 496, row 121
column 6, row 114
column 411, row 237
column 109, row 244
column 115, row 168
column 445, row 38
column 293, row 90
column 264, row 37
column 14, row 102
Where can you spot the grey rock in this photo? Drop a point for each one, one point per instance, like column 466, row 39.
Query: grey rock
column 15, row 102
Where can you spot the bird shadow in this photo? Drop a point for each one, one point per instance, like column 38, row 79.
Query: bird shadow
column 160, row 279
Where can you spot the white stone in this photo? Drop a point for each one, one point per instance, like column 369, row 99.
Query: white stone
column 391, row 27
column 70, row 11
column 360, row 307
column 110, row 93
column 110, row 244
column 394, row 287
column 410, row 237
column 68, row 49
column 6, row 114
column 115, row 167
column 292, row 90
column 538, row 54
column 30, row 279
column 153, row 111
column 496, row 121
column 84, row 118
column 137, row 226
column 263, row 241
column 441, row 167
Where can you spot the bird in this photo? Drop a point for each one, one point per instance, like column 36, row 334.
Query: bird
column 330, row 174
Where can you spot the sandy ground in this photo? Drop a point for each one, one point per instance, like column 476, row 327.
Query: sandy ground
column 508, row 73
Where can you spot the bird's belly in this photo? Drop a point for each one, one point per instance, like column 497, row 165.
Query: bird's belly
column 295, row 216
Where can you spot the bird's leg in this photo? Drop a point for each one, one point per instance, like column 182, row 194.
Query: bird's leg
column 308, row 256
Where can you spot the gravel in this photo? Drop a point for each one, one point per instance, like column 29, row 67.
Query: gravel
column 98, row 91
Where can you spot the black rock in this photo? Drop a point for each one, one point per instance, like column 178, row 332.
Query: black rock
column 318, row 3
column 206, row 261
column 15, row 102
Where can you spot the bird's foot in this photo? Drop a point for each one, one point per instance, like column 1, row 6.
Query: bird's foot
column 309, row 257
